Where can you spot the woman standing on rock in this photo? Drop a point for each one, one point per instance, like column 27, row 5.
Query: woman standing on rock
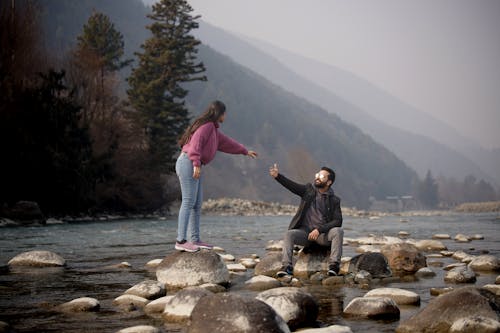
column 199, row 143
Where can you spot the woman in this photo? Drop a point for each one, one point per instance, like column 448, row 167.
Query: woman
column 199, row 143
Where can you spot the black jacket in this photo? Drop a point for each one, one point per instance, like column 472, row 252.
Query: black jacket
column 307, row 193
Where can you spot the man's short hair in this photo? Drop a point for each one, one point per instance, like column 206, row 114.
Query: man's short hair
column 331, row 173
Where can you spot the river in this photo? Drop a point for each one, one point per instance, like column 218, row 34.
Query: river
column 90, row 248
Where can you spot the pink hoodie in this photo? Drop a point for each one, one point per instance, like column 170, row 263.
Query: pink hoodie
column 205, row 142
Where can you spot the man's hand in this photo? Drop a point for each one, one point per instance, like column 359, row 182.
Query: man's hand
column 313, row 235
column 273, row 171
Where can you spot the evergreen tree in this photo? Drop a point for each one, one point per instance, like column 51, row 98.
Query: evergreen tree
column 156, row 92
column 100, row 37
column 428, row 191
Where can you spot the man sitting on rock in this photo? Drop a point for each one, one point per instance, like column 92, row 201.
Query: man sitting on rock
column 318, row 219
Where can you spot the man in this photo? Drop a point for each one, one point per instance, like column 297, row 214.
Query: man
column 318, row 219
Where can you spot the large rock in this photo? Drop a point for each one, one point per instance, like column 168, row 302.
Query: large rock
column 230, row 313
column 403, row 258
column 38, row 259
column 183, row 269
column 485, row 262
column 442, row 312
column 374, row 263
column 315, row 260
column 269, row 265
column 179, row 307
column 373, row 307
column 460, row 275
column 294, row 305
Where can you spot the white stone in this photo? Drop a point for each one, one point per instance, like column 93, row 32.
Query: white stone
column 485, row 263
column 400, row 296
column 82, row 304
column 149, row 289
column 131, row 300
column 236, row 268
column 494, row 288
column 461, row 238
column 37, row 259
column 140, row 329
column 227, row 257
column 262, row 282
column 328, row 329
column 158, row 305
column 441, row 236
column 154, row 263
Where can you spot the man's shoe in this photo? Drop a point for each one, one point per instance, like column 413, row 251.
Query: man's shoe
column 287, row 271
column 333, row 269
column 203, row 245
column 186, row 246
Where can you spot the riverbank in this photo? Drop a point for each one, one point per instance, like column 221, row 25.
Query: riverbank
column 242, row 207
column 235, row 207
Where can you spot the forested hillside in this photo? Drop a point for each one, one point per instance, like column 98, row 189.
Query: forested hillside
column 101, row 159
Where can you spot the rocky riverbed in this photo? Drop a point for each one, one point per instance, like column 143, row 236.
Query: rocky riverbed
column 389, row 282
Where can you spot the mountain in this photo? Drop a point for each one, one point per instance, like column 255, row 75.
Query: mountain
column 388, row 109
column 298, row 135
column 350, row 98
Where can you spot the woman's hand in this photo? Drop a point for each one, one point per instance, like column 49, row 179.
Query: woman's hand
column 196, row 172
column 252, row 154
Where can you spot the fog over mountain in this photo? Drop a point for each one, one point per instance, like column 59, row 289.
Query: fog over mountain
column 418, row 151
column 439, row 56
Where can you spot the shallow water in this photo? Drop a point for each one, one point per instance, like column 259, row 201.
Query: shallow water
column 28, row 295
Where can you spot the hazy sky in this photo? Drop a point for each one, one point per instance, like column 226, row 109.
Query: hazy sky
column 441, row 56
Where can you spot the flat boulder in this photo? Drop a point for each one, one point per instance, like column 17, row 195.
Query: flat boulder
column 148, row 289
column 82, row 304
column 230, row 313
column 184, row 269
column 400, row 296
column 297, row 307
column 262, row 282
column 37, row 259
column 403, row 258
column 485, row 262
column 373, row 308
column 140, row 329
column 443, row 311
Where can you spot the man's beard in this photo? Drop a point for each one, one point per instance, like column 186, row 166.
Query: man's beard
column 320, row 185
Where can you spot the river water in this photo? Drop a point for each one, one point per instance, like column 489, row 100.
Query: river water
column 27, row 296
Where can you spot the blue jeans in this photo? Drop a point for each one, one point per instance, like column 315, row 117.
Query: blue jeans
column 334, row 239
column 192, row 198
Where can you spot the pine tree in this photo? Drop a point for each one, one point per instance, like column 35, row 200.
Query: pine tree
column 101, row 38
column 428, row 191
column 156, row 92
